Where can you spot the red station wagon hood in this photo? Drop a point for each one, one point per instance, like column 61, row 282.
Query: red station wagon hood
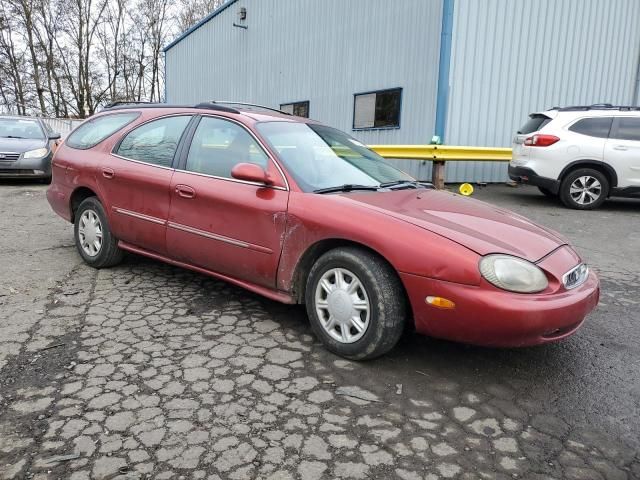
column 478, row 226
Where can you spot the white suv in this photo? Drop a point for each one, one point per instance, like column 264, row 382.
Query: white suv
column 581, row 154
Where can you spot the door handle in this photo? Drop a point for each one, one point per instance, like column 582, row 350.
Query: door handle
column 108, row 172
column 185, row 191
column 621, row 148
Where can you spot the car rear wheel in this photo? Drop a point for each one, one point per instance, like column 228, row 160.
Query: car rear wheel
column 356, row 303
column 95, row 242
column 584, row 189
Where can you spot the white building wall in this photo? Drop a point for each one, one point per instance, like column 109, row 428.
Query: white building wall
column 321, row 51
column 513, row 57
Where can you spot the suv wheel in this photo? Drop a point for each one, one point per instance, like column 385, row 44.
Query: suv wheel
column 356, row 304
column 94, row 240
column 584, row 189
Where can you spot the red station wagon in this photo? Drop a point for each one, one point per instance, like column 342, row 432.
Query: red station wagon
column 303, row 213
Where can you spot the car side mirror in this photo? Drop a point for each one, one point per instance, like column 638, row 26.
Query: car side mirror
column 250, row 172
column 54, row 136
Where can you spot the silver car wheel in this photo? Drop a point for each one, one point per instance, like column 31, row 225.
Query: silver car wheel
column 585, row 190
column 342, row 305
column 90, row 232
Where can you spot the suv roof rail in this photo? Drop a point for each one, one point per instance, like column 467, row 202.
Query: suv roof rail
column 597, row 106
column 244, row 104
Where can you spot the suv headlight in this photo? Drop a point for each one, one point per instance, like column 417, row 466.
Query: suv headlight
column 37, row 153
column 513, row 274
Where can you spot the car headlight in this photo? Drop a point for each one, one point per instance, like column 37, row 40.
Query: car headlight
column 37, row 153
column 513, row 274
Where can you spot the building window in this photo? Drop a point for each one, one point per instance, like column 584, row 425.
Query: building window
column 299, row 109
column 379, row 109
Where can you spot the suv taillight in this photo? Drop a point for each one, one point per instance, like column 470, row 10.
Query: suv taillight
column 541, row 140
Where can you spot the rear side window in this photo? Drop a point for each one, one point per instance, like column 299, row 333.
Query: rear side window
column 628, row 129
column 593, row 127
column 92, row 132
column 154, row 142
column 536, row 122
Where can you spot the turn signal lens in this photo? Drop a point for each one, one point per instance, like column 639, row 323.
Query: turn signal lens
column 440, row 302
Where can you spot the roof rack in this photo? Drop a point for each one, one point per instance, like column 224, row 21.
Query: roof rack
column 243, row 104
column 134, row 105
column 221, row 106
column 122, row 103
column 597, row 106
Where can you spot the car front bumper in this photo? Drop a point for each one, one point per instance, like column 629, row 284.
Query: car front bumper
column 486, row 316
column 530, row 177
column 26, row 168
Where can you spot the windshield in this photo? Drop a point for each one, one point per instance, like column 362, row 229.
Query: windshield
column 322, row 157
column 19, row 128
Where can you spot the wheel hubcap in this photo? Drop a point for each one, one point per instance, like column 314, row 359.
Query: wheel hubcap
column 342, row 305
column 90, row 233
column 585, row 190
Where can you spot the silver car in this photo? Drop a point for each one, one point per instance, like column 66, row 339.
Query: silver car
column 25, row 147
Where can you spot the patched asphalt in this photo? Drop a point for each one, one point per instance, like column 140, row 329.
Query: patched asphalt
column 148, row 371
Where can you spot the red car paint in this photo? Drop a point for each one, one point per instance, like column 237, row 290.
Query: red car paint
column 264, row 237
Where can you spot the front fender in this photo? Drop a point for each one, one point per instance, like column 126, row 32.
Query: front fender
column 408, row 248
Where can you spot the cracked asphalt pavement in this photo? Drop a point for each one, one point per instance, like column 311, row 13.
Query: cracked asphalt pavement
column 148, row 371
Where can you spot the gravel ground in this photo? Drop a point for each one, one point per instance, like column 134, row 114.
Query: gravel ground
column 149, row 371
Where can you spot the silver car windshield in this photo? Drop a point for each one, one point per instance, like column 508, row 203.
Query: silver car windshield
column 320, row 157
column 20, row 128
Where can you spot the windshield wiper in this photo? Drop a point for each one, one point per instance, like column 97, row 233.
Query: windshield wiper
column 347, row 187
column 13, row 136
column 408, row 183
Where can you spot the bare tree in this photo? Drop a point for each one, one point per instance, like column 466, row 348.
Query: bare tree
column 69, row 57
column 11, row 63
column 192, row 11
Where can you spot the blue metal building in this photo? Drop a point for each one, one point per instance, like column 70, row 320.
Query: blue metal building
column 467, row 70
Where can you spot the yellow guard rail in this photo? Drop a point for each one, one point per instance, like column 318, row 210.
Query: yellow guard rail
column 439, row 154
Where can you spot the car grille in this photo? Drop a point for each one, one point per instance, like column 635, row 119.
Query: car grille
column 8, row 157
column 575, row 277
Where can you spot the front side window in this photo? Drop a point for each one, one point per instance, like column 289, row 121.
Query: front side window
column 628, row 129
column 593, row 127
column 95, row 130
column 321, row 157
column 377, row 109
column 20, row 128
column 299, row 109
column 154, row 142
column 219, row 145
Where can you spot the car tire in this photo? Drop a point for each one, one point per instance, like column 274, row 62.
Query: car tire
column 373, row 308
column 584, row 189
column 547, row 193
column 95, row 242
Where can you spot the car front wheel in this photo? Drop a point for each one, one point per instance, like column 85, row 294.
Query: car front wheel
column 584, row 189
column 95, row 242
column 356, row 303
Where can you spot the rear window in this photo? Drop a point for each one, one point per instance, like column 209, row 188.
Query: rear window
column 594, row 127
column 92, row 132
column 536, row 122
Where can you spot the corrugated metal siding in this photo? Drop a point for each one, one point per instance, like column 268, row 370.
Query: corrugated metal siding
column 321, row 51
column 511, row 58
